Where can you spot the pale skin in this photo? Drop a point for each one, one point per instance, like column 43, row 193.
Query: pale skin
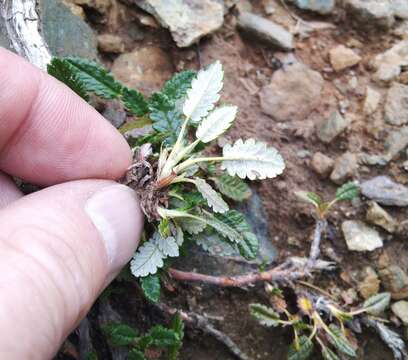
column 60, row 246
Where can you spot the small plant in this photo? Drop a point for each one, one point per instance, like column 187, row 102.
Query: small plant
column 172, row 174
column 317, row 321
column 156, row 343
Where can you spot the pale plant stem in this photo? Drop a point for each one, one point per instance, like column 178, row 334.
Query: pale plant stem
column 186, row 164
column 315, row 248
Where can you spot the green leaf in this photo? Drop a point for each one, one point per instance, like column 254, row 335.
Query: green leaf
column 339, row 340
column 310, row 197
column 192, row 226
column 177, row 326
column 215, row 244
column 164, row 228
column 164, row 105
column 348, row 191
column 64, row 72
column 223, row 228
column 95, row 78
column 134, row 102
column 163, row 337
column 233, row 187
column 264, row 314
column 328, row 354
column 135, row 354
column 214, row 199
column 377, row 304
column 151, row 287
column 301, row 351
column 249, row 245
column 120, row 334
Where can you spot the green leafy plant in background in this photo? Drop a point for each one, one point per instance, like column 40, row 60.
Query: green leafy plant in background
column 179, row 185
column 318, row 323
column 159, row 341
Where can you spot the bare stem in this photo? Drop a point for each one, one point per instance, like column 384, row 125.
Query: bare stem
column 315, row 248
column 201, row 322
column 186, row 164
column 292, row 269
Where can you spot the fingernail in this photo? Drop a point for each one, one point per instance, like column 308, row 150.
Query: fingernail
column 116, row 214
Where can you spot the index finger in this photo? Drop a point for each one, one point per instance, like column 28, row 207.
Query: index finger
column 48, row 134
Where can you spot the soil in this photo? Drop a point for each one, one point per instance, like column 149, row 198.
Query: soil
column 248, row 66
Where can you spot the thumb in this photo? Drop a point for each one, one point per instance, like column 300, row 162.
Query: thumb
column 59, row 248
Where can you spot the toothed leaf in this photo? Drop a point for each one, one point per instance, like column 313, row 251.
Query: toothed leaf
column 339, row 340
column 214, row 200
column 348, row 191
column 310, row 197
column 214, row 244
column 224, row 229
column 64, row 72
column 151, row 287
column 251, row 159
column 302, row 350
column 147, row 260
column 233, row 187
column 192, row 226
column 168, row 246
column 328, row 354
column 163, row 337
column 135, row 354
column 120, row 334
column 95, row 78
column 377, row 304
column 265, row 315
column 134, row 102
column 216, row 123
column 177, row 326
column 204, row 92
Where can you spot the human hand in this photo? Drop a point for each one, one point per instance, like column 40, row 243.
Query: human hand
column 59, row 247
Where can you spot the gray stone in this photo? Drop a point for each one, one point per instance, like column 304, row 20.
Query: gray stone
column 266, row 30
column 344, row 167
column 400, row 309
column 384, row 191
column 293, row 93
column 388, row 64
column 342, row 58
column 332, row 127
column 145, row 69
column 400, row 8
column 396, row 105
column 378, row 216
column 371, row 14
column 360, row 237
column 321, row 6
column 396, row 142
column 65, row 33
column 373, row 160
column 394, row 280
column 187, row 20
column 322, row 164
column 371, row 101
column 111, row 43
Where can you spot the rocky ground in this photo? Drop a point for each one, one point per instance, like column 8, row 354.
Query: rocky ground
column 325, row 82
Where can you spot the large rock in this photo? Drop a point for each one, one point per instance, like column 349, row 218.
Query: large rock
column 400, row 309
column 322, row 164
column 371, row 14
column 360, row 237
column 384, row 191
column 65, row 33
column 332, row 127
column 388, row 64
column 394, row 280
column 187, row 20
column 396, row 142
column 378, row 216
column 396, row 105
column 371, row 101
column 400, row 8
column 293, row 93
column 342, row 58
column 266, row 30
column 345, row 166
column 145, row 69
column 320, row 6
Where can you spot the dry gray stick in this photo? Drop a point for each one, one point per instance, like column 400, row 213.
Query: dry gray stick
column 315, row 248
column 201, row 322
column 22, row 25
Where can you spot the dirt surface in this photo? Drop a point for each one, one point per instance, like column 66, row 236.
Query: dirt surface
column 249, row 65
